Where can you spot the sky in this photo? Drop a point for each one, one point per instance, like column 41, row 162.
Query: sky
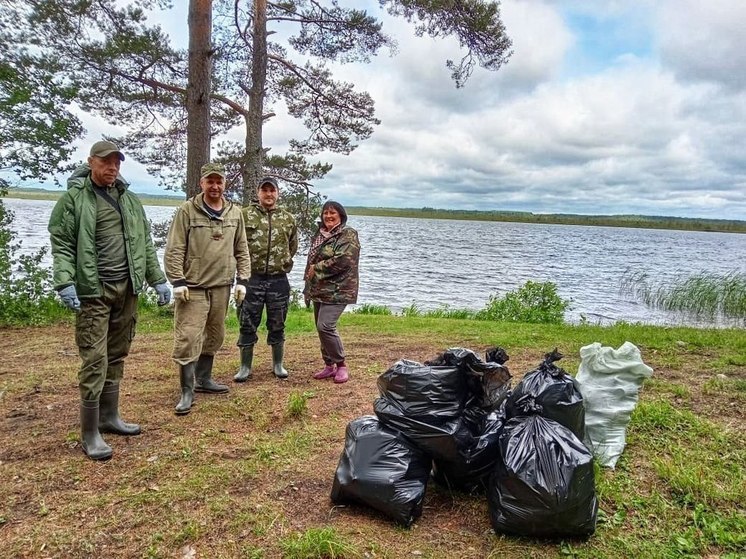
column 605, row 107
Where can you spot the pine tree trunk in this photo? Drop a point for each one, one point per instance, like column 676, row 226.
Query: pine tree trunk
column 254, row 163
column 198, row 91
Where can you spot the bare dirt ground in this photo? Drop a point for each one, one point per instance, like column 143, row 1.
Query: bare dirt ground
column 238, row 473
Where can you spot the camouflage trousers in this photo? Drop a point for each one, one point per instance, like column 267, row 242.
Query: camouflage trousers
column 272, row 292
column 199, row 324
column 104, row 329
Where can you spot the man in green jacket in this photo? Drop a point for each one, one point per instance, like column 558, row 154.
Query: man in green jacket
column 205, row 251
column 103, row 255
column 272, row 235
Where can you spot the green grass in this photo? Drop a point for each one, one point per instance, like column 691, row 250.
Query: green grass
column 298, row 403
column 318, row 543
column 369, row 308
column 234, row 466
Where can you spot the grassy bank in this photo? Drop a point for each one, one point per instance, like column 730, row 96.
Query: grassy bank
column 248, row 474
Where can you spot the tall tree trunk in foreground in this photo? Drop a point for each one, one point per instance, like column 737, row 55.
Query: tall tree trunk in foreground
column 254, row 160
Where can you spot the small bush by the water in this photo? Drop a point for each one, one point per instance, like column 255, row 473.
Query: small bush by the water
column 536, row 302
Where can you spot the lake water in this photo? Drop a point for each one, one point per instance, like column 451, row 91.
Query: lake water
column 433, row 262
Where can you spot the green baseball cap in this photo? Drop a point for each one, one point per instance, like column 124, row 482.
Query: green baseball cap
column 212, row 169
column 104, row 148
column 268, row 180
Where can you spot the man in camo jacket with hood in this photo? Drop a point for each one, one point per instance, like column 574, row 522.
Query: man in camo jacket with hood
column 272, row 236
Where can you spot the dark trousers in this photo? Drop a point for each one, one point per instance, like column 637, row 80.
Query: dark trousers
column 272, row 292
column 326, row 316
column 104, row 329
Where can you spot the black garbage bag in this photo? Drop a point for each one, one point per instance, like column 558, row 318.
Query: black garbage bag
column 496, row 355
column 555, row 391
column 436, row 392
column 478, row 438
column 487, row 381
column 381, row 470
column 543, row 485
column 438, row 438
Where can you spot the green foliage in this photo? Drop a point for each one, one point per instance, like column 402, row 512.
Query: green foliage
column 26, row 294
column 412, row 310
column 370, row 308
column 534, row 302
column 446, row 311
column 318, row 543
column 703, row 294
column 297, row 302
column 298, row 403
column 36, row 127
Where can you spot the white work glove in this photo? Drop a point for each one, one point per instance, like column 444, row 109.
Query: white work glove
column 181, row 292
column 239, row 293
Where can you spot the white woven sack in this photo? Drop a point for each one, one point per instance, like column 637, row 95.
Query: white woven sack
column 609, row 380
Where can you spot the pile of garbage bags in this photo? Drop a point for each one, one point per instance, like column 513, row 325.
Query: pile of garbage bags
column 455, row 420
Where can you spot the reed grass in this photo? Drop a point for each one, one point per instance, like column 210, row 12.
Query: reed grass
column 701, row 295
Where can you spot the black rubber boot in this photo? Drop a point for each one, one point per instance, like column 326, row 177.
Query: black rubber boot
column 186, row 374
column 109, row 420
column 203, row 376
column 247, row 357
column 91, row 441
column 278, row 352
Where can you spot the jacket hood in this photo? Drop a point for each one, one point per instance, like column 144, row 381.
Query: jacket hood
column 83, row 171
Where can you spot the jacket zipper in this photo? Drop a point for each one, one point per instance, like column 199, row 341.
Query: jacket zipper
column 269, row 242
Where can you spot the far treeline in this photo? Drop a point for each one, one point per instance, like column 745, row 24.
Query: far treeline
column 638, row 221
column 635, row 221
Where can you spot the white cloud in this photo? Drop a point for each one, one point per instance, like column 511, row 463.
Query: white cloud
column 704, row 40
column 630, row 138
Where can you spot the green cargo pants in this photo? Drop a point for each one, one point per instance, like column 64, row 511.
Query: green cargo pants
column 104, row 329
column 199, row 324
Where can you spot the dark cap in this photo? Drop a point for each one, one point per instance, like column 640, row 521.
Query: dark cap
column 105, row 148
column 268, row 180
column 212, row 169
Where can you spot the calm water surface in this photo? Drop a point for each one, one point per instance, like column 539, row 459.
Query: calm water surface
column 433, row 262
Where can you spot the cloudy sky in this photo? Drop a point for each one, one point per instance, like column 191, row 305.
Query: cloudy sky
column 605, row 107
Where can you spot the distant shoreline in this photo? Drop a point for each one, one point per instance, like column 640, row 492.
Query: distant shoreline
column 632, row 221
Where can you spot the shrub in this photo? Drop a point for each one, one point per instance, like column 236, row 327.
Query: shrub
column 533, row 302
column 26, row 294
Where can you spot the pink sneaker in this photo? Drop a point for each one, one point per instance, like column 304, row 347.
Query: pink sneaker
column 326, row 372
column 342, row 375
